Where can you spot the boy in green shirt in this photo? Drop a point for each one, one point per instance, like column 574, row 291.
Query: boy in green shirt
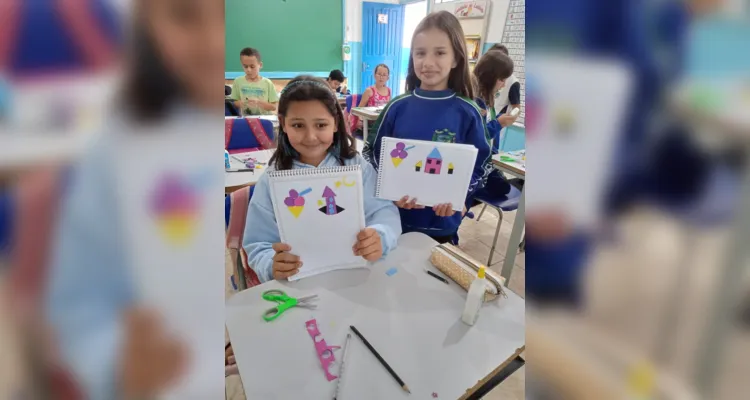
column 253, row 94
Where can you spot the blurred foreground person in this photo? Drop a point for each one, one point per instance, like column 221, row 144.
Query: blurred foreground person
column 115, row 346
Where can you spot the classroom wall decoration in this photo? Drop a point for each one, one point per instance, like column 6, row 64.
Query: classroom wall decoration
column 514, row 38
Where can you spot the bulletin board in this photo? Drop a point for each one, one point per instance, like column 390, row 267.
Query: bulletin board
column 514, row 38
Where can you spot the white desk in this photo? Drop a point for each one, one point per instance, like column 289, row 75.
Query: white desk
column 366, row 114
column 516, row 168
column 411, row 318
column 237, row 180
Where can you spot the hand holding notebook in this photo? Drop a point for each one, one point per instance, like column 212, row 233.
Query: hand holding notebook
column 320, row 215
column 434, row 173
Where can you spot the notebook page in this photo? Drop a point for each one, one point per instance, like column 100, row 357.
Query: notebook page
column 319, row 213
column 433, row 172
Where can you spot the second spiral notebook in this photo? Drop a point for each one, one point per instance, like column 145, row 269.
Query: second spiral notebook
column 319, row 212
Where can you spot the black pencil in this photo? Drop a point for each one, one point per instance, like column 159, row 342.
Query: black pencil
column 436, row 276
column 382, row 361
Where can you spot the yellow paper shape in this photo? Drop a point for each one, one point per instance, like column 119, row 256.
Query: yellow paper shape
column 320, row 203
column 450, row 165
column 296, row 210
column 396, row 161
column 338, row 184
column 177, row 229
column 419, row 164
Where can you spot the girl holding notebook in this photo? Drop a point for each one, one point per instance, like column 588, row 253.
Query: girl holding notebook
column 312, row 134
column 438, row 106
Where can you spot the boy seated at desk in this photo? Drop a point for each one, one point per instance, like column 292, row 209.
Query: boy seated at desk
column 253, row 94
column 337, row 81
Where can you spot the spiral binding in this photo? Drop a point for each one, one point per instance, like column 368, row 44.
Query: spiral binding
column 312, row 171
column 380, row 166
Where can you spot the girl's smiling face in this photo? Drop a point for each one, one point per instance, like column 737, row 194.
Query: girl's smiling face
column 433, row 58
column 310, row 128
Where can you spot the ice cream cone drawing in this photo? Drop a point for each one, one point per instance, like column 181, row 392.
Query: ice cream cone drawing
column 175, row 206
column 295, row 202
column 399, row 153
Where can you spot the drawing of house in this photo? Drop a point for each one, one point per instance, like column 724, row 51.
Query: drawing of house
column 434, row 162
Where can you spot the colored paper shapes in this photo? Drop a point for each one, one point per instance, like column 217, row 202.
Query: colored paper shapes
column 418, row 166
column 450, row 168
column 399, row 154
column 434, row 162
column 434, row 395
column 330, row 207
column 295, row 202
column 391, row 271
column 348, row 184
column 325, row 352
column 175, row 206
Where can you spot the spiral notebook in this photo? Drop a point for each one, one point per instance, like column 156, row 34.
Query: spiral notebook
column 319, row 212
column 432, row 172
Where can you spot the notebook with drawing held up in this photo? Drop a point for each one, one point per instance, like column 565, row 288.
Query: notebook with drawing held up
column 319, row 212
column 432, row 172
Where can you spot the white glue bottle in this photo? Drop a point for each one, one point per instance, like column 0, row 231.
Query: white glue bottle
column 474, row 298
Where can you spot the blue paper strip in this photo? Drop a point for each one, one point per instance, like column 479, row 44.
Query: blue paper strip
column 391, row 271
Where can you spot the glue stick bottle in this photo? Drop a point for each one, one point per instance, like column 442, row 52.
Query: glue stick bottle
column 474, row 298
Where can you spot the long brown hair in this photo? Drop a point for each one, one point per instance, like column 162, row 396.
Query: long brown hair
column 459, row 79
column 492, row 67
column 307, row 88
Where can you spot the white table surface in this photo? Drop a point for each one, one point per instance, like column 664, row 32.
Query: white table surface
column 235, row 179
column 411, row 318
column 239, row 179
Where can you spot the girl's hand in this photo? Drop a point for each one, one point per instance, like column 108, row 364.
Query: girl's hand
column 506, row 120
column 463, row 212
column 444, row 210
column 408, row 205
column 284, row 264
column 368, row 245
column 483, row 112
column 151, row 359
column 548, row 226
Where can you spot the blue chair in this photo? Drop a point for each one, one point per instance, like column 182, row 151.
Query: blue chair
column 243, row 140
column 352, row 100
column 507, row 202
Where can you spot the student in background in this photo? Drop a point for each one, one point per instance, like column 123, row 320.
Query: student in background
column 506, row 99
column 490, row 74
column 439, row 98
column 312, row 134
column 113, row 346
column 377, row 95
column 337, row 82
column 253, row 94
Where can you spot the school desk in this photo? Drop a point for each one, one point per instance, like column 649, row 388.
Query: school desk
column 237, row 180
column 366, row 114
column 412, row 319
column 517, row 169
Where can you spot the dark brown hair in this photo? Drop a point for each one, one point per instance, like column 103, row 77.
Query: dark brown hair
column 250, row 52
column 381, row 66
column 307, row 88
column 150, row 90
column 459, row 79
column 492, row 67
column 500, row 47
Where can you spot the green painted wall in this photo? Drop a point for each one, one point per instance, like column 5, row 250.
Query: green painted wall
column 291, row 35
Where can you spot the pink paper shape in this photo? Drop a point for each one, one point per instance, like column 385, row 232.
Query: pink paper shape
column 325, row 352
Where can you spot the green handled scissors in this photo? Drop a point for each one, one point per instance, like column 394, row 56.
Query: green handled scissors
column 285, row 303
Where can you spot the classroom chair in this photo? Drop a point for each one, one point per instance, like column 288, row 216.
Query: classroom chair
column 351, row 101
column 247, row 134
column 507, row 202
column 235, row 214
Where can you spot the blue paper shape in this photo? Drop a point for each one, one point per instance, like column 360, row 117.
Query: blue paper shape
column 391, row 271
